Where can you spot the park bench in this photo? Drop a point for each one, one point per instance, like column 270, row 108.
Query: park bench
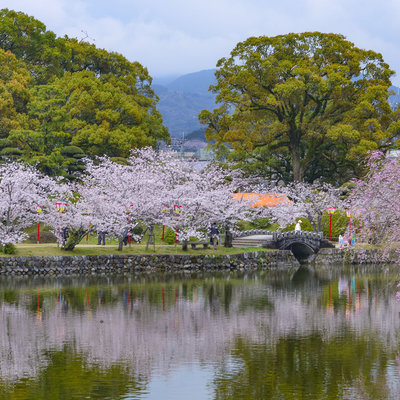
column 194, row 244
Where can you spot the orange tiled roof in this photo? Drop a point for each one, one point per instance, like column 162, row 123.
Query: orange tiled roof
column 263, row 199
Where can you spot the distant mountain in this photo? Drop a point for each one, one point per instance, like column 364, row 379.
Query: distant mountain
column 198, row 134
column 197, row 82
column 394, row 99
column 182, row 100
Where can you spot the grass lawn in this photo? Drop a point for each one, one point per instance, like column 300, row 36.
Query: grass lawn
column 30, row 248
column 50, row 249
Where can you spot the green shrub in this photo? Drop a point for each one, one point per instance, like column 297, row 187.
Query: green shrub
column 305, row 226
column 261, row 223
column 243, row 225
column 169, row 236
column 9, row 248
column 45, row 237
column 120, row 160
column 138, row 229
column 72, row 152
column 258, row 223
column 339, row 224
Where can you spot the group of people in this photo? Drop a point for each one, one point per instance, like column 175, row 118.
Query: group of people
column 344, row 240
column 101, row 237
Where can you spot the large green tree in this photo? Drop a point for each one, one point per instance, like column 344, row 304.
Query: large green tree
column 62, row 92
column 302, row 106
column 14, row 93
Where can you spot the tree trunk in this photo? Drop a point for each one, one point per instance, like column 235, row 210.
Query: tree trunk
column 74, row 238
column 294, row 146
column 120, row 244
column 228, row 237
column 298, row 174
column 151, row 238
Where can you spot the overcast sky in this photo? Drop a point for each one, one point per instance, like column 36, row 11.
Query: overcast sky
column 173, row 37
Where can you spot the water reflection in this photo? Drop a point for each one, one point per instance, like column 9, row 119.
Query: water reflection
column 274, row 335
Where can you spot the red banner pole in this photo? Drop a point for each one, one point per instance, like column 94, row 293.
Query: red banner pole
column 38, row 232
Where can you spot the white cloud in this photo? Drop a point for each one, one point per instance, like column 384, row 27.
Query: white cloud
column 178, row 36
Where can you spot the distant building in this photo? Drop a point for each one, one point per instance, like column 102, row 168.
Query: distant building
column 206, row 155
column 263, row 199
column 391, row 154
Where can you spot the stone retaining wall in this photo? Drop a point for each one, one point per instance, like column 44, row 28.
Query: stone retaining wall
column 354, row 256
column 108, row 264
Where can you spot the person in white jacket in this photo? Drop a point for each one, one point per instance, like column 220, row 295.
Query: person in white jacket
column 298, row 226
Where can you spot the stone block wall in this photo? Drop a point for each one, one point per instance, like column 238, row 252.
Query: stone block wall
column 354, row 256
column 109, row 264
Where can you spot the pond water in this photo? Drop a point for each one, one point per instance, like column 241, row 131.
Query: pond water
column 333, row 334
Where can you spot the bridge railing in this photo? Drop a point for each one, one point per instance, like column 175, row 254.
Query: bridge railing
column 305, row 234
column 278, row 235
column 252, row 232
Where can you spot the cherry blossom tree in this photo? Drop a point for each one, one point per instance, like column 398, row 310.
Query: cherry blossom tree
column 67, row 210
column 376, row 199
column 177, row 194
column 209, row 198
column 109, row 190
column 306, row 201
column 103, row 201
column 153, row 189
column 154, row 179
column 22, row 190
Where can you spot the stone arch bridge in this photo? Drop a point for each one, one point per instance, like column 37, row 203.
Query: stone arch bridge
column 304, row 245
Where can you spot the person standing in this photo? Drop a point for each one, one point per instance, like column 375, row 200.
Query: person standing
column 101, row 237
column 341, row 241
column 64, row 236
column 297, row 228
column 214, row 233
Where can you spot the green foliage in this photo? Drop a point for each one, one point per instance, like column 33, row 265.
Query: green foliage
column 72, row 151
column 11, row 152
column 339, row 224
column 346, row 188
column 305, row 106
column 305, row 226
column 258, row 223
column 138, row 229
column 169, row 236
column 8, row 248
column 120, row 160
column 261, row 223
column 14, row 89
column 58, row 92
column 44, row 237
column 65, row 366
column 72, row 161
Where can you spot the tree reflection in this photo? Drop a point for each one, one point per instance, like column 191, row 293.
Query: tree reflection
column 268, row 336
column 68, row 375
column 310, row 367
